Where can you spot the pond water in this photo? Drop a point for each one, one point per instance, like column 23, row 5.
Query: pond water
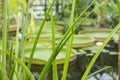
column 105, row 76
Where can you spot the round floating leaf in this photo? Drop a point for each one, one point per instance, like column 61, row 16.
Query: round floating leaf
column 99, row 34
column 42, row 55
column 80, row 41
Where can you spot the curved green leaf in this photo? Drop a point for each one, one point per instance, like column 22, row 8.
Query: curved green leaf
column 99, row 51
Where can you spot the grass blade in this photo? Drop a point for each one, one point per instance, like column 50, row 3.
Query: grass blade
column 63, row 41
column 11, row 67
column 69, row 47
column 4, row 40
column 24, row 29
column 39, row 32
column 12, row 71
column 103, row 69
column 22, row 64
column 118, row 5
column 17, row 45
column 99, row 51
column 55, row 75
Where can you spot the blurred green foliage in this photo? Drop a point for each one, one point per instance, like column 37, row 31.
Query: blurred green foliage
column 107, row 14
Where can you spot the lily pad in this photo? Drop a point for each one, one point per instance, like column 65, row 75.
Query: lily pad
column 100, row 34
column 42, row 55
column 91, row 50
column 40, row 44
column 47, row 27
column 43, row 36
column 80, row 41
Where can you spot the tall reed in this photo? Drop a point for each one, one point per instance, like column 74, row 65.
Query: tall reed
column 25, row 22
column 99, row 51
column 65, row 39
column 38, row 34
column 118, row 5
column 56, row 49
column 4, row 40
column 69, row 47
column 55, row 74
column 103, row 69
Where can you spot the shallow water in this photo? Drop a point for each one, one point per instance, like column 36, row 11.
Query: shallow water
column 105, row 76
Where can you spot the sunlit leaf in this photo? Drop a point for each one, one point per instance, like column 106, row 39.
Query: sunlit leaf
column 31, row 27
column 13, row 6
column 24, row 3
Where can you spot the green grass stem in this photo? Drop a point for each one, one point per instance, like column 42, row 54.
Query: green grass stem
column 22, row 64
column 55, row 75
column 63, row 41
column 4, row 40
column 99, row 51
column 24, row 29
column 101, row 70
column 17, row 45
column 118, row 5
column 38, row 34
column 69, row 47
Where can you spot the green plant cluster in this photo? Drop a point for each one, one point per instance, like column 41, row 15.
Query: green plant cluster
column 18, row 69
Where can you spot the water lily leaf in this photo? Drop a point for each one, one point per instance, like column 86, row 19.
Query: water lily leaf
column 80, row 41
column 100, row 35
column 42, row 55
column 40, row 44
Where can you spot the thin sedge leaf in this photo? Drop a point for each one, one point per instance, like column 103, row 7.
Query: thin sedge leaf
column 74, row 24
column 12, row 72
column 99, row 51
column 31, row 26
column 13, row 6
column 24, row 29
column 69, row 47
column 22, row 64
column 22, row 42
column 16, row 46
column 24, row 4
column 18, row 78
column 11, row 66
column 38, row 34
column 60, row 45
column 101, row 70
column 10, row 61
column 67, row 58
column 55, row 75
column 4, row 40
column 118, row 5
column 67, row 36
